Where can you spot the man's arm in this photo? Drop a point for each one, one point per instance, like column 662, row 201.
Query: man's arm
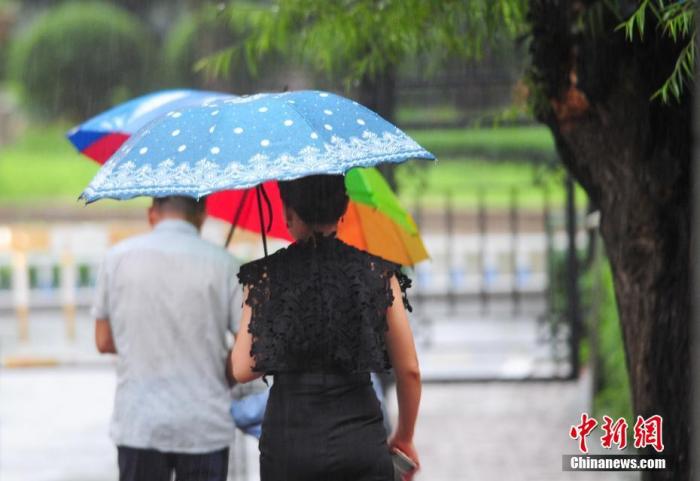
column 100, row 311
column 103, row 337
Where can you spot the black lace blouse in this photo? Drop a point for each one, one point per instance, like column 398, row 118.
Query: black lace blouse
column 320, row 306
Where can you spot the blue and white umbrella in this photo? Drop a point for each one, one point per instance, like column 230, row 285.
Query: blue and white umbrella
column 241, row 142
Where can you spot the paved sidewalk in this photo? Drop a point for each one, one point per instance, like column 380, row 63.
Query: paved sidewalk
column 54, row 424
column 502, row 431
column 475, row 431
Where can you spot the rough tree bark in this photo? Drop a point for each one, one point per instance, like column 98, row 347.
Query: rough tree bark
column 632, row 156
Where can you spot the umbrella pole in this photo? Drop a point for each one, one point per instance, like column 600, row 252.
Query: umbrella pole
column 258, row 191
column 236, row 218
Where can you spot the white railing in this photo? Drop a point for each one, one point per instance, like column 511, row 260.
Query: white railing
column 55, row 267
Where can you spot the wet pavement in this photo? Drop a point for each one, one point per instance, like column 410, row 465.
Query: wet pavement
column 502, row 431
column 54, row 424
column 54, row 420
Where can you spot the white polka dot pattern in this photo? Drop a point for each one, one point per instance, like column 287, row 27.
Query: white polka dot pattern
column 187, row 152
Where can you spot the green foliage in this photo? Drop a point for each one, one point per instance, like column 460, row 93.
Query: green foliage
column 5, row 278
column 558, row 307
column 204, row 33
column 613, row 395
column 179, row 51
column 676, row 20
column 8, row 12
column 355, row 39
column 194, row 36
column 80, row 57
column 84, row 277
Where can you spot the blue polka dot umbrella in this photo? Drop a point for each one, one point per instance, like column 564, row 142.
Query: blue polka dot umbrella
column 241, row 142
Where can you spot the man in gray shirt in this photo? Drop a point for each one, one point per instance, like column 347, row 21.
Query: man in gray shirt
column 164, row 302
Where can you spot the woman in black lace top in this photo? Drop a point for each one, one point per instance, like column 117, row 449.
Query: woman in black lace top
column 319, row 316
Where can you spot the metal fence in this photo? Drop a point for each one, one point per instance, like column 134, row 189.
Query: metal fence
column 488, row 264
column 506, row 264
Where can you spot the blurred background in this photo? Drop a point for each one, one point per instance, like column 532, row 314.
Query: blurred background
column 514, row 315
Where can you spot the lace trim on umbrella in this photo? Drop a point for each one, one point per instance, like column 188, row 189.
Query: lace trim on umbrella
column 123, row 178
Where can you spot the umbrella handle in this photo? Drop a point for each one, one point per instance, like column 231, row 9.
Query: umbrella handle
column 258, row 190
column 236, row 218
column 269, row 207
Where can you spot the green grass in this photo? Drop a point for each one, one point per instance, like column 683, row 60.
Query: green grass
column 613, row 393
column 467, row 179
column 42, row 166
column 530, row 143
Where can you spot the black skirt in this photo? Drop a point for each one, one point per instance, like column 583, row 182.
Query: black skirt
column 320, row 427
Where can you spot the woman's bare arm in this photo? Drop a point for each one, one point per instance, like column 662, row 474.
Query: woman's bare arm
column 402, row 352
column 241, row 361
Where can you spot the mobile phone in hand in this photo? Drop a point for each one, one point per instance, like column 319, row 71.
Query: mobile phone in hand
column 403, row 465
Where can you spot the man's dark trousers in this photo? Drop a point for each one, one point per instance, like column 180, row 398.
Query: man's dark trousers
column 151, row 465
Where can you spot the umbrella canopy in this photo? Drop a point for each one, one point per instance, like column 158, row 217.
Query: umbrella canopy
column 240, row 142
column 101, row 136
column 239, row 207
column 374, row 222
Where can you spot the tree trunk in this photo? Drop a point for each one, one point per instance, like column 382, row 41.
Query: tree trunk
column 379, row 94
column 632, row 156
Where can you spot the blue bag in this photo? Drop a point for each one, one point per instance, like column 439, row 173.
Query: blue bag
column 248, row 412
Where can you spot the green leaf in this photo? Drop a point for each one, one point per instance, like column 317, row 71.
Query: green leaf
column 676, row 20
column 356, row 38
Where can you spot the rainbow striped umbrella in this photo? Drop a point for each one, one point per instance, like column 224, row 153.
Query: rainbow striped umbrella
column 374, row 222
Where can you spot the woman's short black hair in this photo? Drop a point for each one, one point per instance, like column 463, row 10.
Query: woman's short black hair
column 317, row 199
